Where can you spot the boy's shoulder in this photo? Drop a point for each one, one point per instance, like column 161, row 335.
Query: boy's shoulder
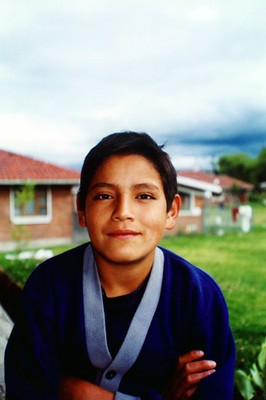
column 190, row 281
column 174, row 260
column 65, row 264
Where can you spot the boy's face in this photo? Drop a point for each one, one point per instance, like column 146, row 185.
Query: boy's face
column 125, row 211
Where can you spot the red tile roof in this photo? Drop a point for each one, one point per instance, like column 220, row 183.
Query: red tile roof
column 226, row 182
column 15, row 167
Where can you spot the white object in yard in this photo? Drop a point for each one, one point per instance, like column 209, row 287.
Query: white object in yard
column 43, row 254
column 245, row 213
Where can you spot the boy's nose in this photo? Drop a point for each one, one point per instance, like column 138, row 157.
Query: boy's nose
column 122, row 210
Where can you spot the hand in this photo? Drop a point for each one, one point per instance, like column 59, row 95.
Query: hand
column 71, row 388
column 188, row 374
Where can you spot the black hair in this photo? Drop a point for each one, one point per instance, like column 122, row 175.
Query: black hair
column 125, row 143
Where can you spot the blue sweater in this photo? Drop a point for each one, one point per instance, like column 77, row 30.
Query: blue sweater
column 49, row 339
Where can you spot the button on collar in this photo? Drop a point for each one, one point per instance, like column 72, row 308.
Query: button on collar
column 110, row 374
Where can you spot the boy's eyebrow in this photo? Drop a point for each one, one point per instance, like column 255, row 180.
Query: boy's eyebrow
column 140, row 186
column 147, row 185
column 100, row 185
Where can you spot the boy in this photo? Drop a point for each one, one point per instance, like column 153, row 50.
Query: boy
column 120, row 318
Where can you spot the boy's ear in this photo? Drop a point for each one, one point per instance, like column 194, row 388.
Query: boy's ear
column 172, row 214
column 82, row 219
column 81, row 214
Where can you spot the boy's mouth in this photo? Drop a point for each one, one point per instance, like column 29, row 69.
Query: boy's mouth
column 123, row 233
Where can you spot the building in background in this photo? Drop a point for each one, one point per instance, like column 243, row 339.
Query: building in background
column 212, row 203
column 37, row 202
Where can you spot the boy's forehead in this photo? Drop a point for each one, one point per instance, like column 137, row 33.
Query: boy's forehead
column 126, row 158
column 122, row 165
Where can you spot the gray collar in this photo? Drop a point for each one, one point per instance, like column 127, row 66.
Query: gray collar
column 111, row 371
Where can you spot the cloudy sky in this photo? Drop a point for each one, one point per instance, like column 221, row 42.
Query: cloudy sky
column 191, row 73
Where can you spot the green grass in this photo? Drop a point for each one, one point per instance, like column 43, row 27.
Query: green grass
column 20, row 270
column 259, row 215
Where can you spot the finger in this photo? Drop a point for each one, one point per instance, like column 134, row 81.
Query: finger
column 186, row 395
column 189, row 386
column 194, row 379
column 190, row 392
column 188, row 357
column 199, row 366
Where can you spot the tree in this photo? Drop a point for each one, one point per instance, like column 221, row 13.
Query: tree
column 260, row 167
column 239, row 166
column 23, row 197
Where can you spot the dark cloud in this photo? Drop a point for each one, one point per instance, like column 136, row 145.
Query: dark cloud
column 246, row 135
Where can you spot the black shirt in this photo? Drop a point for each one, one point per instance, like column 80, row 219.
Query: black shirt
column 119, row 312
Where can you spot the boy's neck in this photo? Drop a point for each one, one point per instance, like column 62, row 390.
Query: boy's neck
column 118, row 280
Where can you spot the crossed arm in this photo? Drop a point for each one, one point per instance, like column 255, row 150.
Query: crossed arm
column 190, row 370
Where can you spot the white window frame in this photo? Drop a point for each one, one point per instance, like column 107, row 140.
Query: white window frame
column 31, row 219
column 192, row 210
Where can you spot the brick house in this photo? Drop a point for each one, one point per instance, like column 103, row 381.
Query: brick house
column 235, row 191
column 45, row 214
column 194, row 194
column 200, row 191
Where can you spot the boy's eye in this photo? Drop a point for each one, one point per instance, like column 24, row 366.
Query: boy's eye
column 102, row 196
column 145, row 196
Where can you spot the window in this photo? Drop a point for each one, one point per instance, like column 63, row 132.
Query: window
column 186, row 201
column 31, row 204
column 188, row 207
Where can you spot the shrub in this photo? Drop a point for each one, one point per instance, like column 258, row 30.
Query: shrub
column 254, row 383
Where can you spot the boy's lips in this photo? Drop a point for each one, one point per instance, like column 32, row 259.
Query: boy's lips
column 123, row 233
